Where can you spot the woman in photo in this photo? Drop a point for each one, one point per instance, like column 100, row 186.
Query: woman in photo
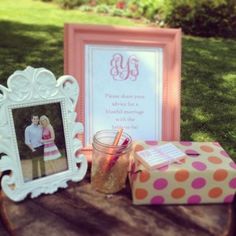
column 51, row 151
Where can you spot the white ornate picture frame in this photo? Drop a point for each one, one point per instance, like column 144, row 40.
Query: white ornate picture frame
column 38, row 90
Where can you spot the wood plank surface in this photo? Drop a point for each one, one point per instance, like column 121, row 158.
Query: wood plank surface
column 3, row 231
column 79, row 210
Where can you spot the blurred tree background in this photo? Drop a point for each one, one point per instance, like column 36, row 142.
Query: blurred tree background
column 195, row 17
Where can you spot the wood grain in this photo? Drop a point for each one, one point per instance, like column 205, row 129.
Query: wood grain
column 3, row 231
column 79, row 210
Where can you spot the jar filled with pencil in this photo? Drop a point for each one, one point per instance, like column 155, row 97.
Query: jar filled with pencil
column 110, row 160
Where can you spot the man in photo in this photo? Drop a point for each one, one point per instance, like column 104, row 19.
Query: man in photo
column 33, row 137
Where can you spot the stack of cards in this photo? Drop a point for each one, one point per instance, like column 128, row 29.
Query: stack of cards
column 159, row 156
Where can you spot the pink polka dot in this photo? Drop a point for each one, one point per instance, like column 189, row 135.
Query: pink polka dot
column 160, row 184
column 216, row 144
column 232, row 183
column 151, row 142
column 194, row 199
column 199, row 165
column 185, row 143
column 229, row 198
column 157, row 200
column 163, row 168
column 192, row 153
column 198, row 183
column 224, row 153
column 233, row 165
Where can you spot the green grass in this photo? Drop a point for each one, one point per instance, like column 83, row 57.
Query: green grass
column 209, row 91
column 31, row 33
column 38, row 13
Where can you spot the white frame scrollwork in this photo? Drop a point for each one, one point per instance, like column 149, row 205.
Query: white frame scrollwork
column 32, row 87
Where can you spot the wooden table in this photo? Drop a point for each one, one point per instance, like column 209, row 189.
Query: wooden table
column 79, row 210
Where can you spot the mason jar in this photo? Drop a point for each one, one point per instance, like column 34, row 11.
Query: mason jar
column 110, row 162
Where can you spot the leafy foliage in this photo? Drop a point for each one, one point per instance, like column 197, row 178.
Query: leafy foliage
column 195, row 17
column 70, row 4
column 86, row 8
column 204, row 18
column 107, row 2
column 103, row 8
column 117, row 12
column 144, row 8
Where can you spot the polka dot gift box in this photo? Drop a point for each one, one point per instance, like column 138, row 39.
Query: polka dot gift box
column 206, row 175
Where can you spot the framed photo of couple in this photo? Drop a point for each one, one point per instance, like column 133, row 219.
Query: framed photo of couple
column 40, row 139
column 38, row 133
column 129, row 78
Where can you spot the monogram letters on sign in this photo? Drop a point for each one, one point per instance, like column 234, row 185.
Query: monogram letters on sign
column 121, row 70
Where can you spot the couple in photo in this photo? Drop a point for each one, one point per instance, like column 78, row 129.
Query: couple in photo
column 39, row 137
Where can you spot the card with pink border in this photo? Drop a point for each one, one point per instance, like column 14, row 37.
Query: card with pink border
column 129, row 77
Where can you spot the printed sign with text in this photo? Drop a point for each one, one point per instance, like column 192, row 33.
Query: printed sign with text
column 123, row 89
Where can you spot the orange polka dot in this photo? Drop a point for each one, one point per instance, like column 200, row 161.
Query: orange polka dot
column 214, row 160
column 220, row 175
column 178, row 193
column 206, row 148
column 138, row 147
column 183, row 160
column 140, row 193
column 215, row 192
column 180, row 161
column 144, row 176
column 182, row 175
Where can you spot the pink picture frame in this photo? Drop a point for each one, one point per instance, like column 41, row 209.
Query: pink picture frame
column 77, row 37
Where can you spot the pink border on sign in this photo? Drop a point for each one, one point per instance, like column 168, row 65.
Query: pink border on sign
column 76, row 36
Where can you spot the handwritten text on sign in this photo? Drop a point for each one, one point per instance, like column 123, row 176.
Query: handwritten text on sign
column 123, row 88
